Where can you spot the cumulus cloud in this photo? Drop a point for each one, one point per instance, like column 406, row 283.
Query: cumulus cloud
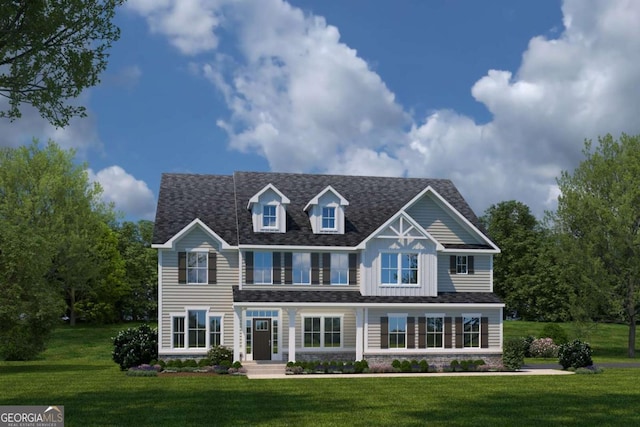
column 305, row 101
column 128, row 194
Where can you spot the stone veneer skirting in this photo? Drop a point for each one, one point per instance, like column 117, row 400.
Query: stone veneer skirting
column 441, row 360
column 324, row 356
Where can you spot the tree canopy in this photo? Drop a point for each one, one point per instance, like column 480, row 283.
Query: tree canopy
column 50, row 50
column 599, row 214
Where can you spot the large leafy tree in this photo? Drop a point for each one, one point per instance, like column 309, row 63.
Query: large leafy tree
column 50, row 50
column 599, row 212
column 44, row 197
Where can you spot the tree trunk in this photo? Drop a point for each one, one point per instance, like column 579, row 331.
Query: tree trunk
column 631, row 309
column 72, row 307
column 632, row 336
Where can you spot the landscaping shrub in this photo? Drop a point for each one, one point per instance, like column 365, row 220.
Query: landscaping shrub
column 236, row 365
column 513, row 353
column 543, row 347
column 219, row 353
column 555, row 332
column 576, row 354
column 526, row 343
column 135, row 346
column 204, row 362
column 190, row 363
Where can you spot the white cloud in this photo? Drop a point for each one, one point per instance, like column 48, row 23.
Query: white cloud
column 306, row 101
column 130, row 195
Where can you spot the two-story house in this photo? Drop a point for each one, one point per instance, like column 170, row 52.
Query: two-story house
column 318, row 267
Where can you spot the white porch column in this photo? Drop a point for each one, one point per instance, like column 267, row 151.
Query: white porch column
column 359, row 333
column 292, row 312
column 237, row 327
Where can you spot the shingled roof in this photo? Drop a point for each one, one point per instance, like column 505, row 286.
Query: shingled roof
column 220, row 201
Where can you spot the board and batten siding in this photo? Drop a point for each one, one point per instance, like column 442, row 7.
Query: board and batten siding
column 440, row 223
column 479, row 281
column 427, row 267
column 493, row 315
column 218, row 298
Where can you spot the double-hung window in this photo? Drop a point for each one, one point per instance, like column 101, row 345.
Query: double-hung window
column 399, row 268
column 328, row 218
column 197, row 333
column 215, row 331
column 339, row 269
column 262, row 267
column 196, row 329
column 322, row 331
column 197, row 267
column 269, row 216
column 435, row 332
column 461, row 264
column 302, row 268
column 178, row 332
column 471, row 331
column 397, row 332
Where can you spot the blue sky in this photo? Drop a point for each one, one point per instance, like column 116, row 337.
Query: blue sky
column 497, row 96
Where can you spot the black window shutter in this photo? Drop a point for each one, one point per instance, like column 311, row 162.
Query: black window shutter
column 384, row 332
column 326, row 268
column 411, row 332
column 315, row 268
column 182, row 267
column 459, row 329
column 248, row 263
column 213, row 268
column 470, row 267
column 277, row 269
column 422, row 332
column 484, row 332
column 452, row 264
column 288, row 268
column 447, row 333
column 353, row 269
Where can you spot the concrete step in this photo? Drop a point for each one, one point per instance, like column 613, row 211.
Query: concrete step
column 261, row 368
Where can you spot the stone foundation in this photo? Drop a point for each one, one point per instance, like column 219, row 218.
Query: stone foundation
column 438, row 361
column 349, row 356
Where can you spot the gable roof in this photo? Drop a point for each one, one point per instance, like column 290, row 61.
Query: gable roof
column 221, row 201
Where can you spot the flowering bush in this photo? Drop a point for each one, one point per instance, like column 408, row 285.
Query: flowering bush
column 135, row 346
column 543, row 347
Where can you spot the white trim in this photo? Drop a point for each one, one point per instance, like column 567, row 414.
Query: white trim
column 293, row 248
column 322, row 316
column 170, row 244
column 367, row 305
column 255, row 199
column 160, row 298
column 399, row 283
column 426, row 330
column 316, row 199
column 469, row 251
column 400, row 214
column 472, row 315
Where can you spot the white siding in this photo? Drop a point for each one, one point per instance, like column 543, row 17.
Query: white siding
column 479, row 281
column 440, row 223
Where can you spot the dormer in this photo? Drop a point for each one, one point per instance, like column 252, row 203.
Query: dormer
column 269, row 210
column 326, row 212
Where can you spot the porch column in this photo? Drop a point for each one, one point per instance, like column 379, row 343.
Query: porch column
column 359, row 333
column 292, row 312
column 237, row 327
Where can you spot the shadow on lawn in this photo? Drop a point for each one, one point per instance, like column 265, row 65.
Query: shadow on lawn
column 48, row 369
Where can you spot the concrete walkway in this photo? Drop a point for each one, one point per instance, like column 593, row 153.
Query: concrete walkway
column 413, row 375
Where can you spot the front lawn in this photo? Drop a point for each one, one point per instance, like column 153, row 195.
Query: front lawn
column 77, row 372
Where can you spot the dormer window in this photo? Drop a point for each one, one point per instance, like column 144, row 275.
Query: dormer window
column 328, row 218
column 326, row 212
column 268, row 210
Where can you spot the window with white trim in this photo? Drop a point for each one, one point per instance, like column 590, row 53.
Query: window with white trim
column 262, row 267
column 339, row 269
column 322, row 332
column 178, row 332
column 435, row 331
column 215, row 331
column 197, row 333
column 269, row 216
column 397, row 331
column 197, row 267
column 399, row 268
column 328, row 218
column 302, row 268
column 471, row 331
column 462, row 264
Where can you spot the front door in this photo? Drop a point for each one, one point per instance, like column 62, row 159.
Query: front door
column 261, row 339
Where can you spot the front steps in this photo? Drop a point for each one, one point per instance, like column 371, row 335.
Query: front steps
column 265, row 369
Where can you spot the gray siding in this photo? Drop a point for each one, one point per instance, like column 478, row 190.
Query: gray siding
column 441, row 224
column 217, row 298
column 479, row 281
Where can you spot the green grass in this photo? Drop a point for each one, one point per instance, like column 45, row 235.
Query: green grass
column 608, row 341
column 77, row 372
